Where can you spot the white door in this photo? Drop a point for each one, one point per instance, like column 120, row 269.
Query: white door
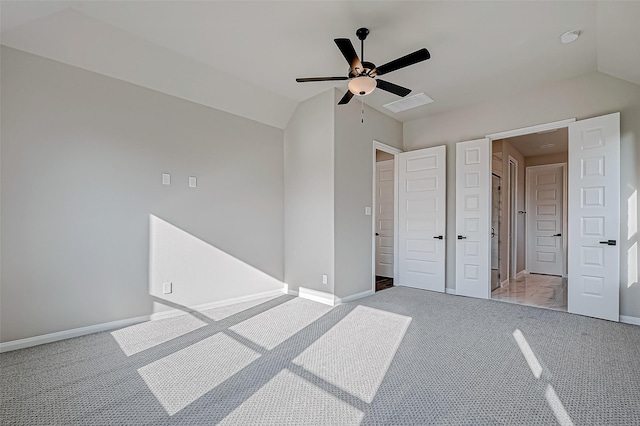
column 473, row 218
column 384, row 218
column 422, row 218
column 545, row 192
column 594, row 217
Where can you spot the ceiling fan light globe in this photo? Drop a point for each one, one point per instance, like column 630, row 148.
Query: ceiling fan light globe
column 362, row 86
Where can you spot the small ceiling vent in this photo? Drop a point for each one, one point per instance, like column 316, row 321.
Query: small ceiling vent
column 408, row 103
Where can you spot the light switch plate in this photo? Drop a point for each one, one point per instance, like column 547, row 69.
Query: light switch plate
column 193, row 182
column 367, row 211
column 166, row 179
column 167, row 288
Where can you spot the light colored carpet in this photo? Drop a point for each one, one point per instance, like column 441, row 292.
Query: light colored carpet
column 399, row 357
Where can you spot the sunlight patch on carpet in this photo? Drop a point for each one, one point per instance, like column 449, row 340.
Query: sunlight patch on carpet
column 289, row 400
column 179, row 379
column 276, row 325
column 357, row 352
column 529, row 356
column 146, row 335
column 557, row 407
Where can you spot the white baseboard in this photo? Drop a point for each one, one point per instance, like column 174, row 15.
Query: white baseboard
column 352, row 297
column 316, row 296
column 68, row 334
column 629, row 320
column 521, row 273
column 450, row 290
column 112, row 325
column 504, row 283
column 197, row 308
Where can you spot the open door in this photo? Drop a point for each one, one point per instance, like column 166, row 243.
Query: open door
column 594, row 217
column 422, row 218
column 473, row 218
column 385, row 183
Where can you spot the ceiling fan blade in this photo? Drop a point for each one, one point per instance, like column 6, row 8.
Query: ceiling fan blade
column 307, row 79
column 346, row 98
column 392, row 88
column 349, row 53
column 410, row 59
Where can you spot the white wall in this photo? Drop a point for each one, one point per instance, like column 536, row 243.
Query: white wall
column 354, row 189
column 583, row 97
column 309, row 195
column 82, row 157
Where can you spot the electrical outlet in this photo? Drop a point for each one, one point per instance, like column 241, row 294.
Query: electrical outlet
column 166, row 179
column 325, row 279
column 167, row 288
column 367, row 211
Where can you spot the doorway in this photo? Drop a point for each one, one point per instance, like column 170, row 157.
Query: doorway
column 383, row 212
column 534, row 205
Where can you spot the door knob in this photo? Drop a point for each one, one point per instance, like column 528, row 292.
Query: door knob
column 460, row 237
column 377, row 235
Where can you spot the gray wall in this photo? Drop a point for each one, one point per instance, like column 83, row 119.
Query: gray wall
column 309, row 200
column 82, row 157
column 354, row 190
column 583, row 97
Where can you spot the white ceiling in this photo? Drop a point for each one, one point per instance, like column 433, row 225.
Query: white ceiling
column 243, row 57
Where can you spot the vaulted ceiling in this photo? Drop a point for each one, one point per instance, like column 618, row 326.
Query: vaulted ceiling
column 243, row 57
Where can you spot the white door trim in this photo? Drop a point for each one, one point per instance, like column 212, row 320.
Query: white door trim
column 512, row 219
column 527, row 208
column 391, row 150
column 532, row 129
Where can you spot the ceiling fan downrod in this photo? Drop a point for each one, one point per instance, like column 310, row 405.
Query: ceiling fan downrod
column 362, row 34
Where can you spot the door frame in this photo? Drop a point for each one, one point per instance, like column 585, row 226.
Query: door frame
column 512, row 219
column 394, row 151
column 565, row 198
column 544, row 127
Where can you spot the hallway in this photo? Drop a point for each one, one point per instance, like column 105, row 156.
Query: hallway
column 545, row 291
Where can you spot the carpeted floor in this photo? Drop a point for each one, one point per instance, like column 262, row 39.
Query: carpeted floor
column 399, row 357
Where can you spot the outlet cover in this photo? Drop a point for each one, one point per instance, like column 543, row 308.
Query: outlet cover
column 367, row 211
column 193, row 182
column 167, row 288
column 325, row 279
column 166, row 179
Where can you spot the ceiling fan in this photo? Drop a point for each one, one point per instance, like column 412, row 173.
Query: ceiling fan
column 362, row 75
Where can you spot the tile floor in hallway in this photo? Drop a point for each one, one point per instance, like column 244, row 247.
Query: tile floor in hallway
column 545, row 291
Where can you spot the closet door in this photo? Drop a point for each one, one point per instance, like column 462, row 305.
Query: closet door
column 422, row 218
column 473, row 218
column 594, row 217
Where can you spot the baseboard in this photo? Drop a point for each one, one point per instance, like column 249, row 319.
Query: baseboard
column 629, row 320
column 504, row 283
column 352, row 297
column 316, row 296
column 68, row 334
column 197, row 308
column 521, row 273
column 112, row 325
column 450, row 290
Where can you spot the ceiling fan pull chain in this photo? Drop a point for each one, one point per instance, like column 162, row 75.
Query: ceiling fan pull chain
column 362, row 119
